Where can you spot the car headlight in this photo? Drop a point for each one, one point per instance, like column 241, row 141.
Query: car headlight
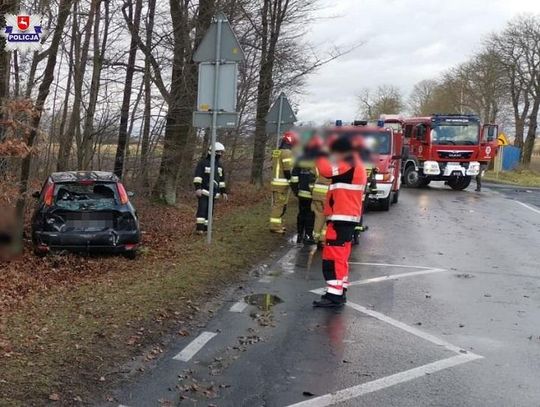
column 431, row 168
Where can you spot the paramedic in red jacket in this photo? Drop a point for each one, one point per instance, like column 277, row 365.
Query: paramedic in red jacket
column 343, row 210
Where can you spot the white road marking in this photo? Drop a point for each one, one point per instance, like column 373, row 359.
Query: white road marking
column 528, row 207
column 195, row 345
column 239, row 306
column 122, row 405
column 266, row 279
column 421, row 334
column 385, row 382
column 390, row 265
column 395, row 276
column 320, row 291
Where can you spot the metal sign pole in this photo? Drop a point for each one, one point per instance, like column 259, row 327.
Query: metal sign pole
column 214, row 133
column 280, row 114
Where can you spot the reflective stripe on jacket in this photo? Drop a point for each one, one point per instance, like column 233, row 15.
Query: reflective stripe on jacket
column 346, row 191
column 282, row 163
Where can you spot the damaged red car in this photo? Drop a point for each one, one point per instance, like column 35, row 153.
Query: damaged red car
column 85, row 211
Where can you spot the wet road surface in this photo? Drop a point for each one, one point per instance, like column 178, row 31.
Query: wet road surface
column 444, row 310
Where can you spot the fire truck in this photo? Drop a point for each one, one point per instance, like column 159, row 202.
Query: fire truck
column 385, row 165
column 446, row 147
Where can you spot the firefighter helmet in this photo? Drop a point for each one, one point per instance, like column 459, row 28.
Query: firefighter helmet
column 290, row 137
column 341, row 144
column 220, row 148
column 315, row 142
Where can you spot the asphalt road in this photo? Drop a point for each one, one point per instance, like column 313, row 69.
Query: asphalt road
column 444, row 311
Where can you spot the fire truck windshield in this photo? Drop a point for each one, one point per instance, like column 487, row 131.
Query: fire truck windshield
column 381, row 141
column 455, row 134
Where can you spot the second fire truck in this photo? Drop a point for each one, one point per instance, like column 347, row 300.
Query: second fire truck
column 443, row 147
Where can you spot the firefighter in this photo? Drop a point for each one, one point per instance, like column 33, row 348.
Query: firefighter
column 282, row 163
column 319, row 191
column 202, row 186
column 302, row 179
column 365, row 148
column 343, row 210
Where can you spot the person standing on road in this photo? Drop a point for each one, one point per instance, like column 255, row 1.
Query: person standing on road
column 282, row 163
column 343, row 210
column 483, row 168
column 319, row 192
column 201, row 182
column 302, row 182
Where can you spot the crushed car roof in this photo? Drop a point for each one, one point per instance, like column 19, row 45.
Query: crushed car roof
column 76, row 176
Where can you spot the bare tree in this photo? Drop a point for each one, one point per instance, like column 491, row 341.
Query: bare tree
column 43, row 92
column 518, row 47
column 385, row 99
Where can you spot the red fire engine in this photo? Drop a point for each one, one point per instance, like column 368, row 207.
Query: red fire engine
column 448, row 148
column 385, row 160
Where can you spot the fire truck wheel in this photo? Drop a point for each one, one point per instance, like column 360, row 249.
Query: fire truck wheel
column 395, row 197
column 411, row 177
column 459, row 184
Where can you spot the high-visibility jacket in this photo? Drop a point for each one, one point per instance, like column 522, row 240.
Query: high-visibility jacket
column 320, row 187
column 202, row 177
column 303, row 176
column 346, row 192
column 282, row 164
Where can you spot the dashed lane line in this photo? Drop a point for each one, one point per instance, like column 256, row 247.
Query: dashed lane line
column 528, row 207
column 239, row 306
column 385, row 382
column 194, row 346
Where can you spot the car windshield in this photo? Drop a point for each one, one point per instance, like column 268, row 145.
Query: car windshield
column 394, row 126
column 80, row 196
column 381, row 141
column 455, row 134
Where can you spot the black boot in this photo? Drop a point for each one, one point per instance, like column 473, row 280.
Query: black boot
column 309, row 240
column 329, row 301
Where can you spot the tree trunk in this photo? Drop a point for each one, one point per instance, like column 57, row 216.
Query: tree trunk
column 135, row 19
column 5, row 7
column 43, row 92
column 86, row 150
column 79, row 69
column 179, row 132
column 147, row 79
column 528, row 146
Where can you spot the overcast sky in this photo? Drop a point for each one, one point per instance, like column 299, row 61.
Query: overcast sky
column 405, row 41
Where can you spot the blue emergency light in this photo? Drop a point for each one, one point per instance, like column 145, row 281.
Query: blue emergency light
column 339, row 123
column 380, row 123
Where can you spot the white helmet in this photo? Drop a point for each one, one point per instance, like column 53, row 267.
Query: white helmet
column 220, row 148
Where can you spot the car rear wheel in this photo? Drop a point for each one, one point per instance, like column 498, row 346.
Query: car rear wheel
column 131, row 254
column 459, row 183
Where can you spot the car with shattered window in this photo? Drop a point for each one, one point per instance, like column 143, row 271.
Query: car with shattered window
column 85, row 211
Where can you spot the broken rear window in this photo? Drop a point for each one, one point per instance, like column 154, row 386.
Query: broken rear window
column 80, row 196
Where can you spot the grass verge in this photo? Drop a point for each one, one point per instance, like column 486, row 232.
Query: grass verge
column 65, row 345
column 525, row 178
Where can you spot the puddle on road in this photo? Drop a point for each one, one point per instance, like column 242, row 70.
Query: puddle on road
column 265, row 302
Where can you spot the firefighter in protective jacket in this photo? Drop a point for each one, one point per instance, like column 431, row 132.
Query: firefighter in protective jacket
column 343, row 210
column 302, row 181
column 282, row 163
column 202, row 185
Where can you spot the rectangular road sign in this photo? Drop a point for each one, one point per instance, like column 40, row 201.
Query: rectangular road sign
column 225, row 120
column 226, row 88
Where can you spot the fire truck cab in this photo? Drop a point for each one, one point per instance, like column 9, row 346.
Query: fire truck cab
column 446, row 147
column 384, row 161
